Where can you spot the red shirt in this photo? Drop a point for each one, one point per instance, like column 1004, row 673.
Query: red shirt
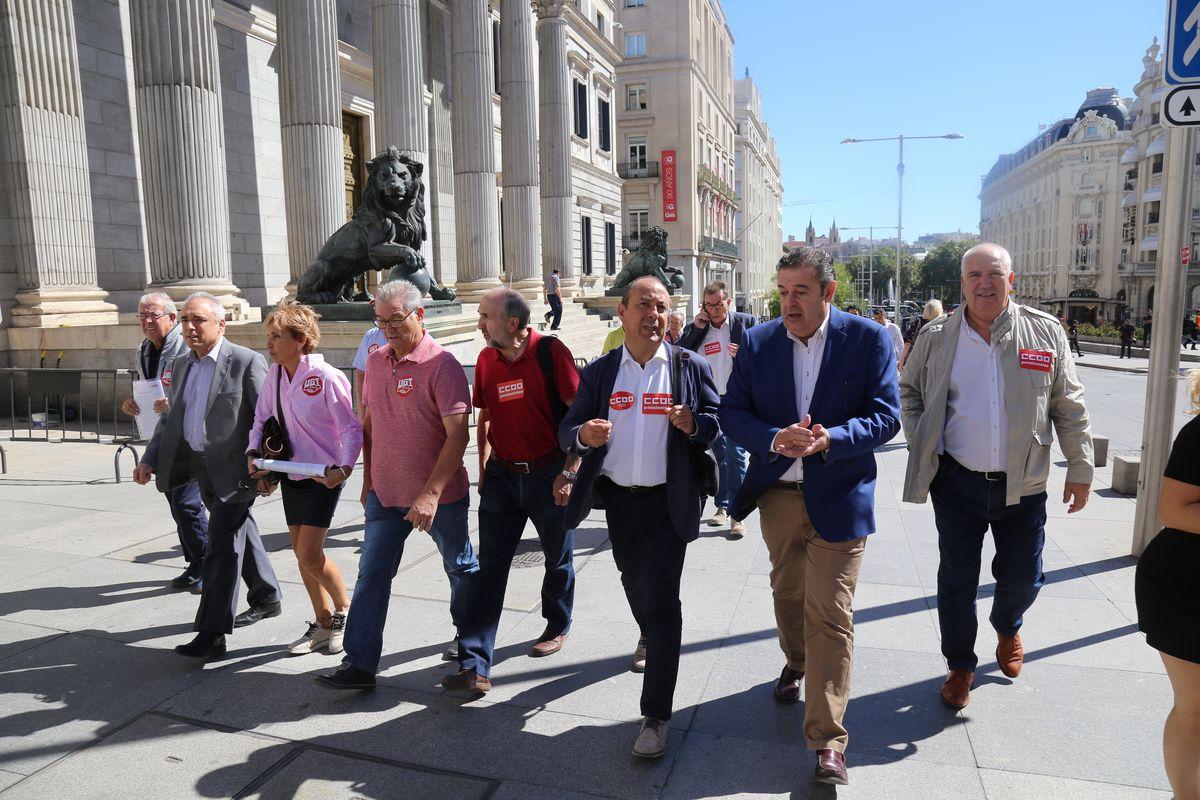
column 407, row 398
column 522, row 423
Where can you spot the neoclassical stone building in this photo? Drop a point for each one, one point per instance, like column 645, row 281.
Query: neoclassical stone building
column 214, row 145
column 759, row 185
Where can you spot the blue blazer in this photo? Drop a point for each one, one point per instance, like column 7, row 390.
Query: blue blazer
column 698, row 392
column 692, row 337
column 856, row 399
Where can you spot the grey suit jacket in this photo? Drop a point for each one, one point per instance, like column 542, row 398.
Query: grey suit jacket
column 227, row 420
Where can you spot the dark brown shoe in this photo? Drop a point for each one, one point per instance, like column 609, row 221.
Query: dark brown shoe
column 1010, row 654
column 467, row 680
column 547, row 645
column 956, row 691
column 787, row 688
column 831, row 768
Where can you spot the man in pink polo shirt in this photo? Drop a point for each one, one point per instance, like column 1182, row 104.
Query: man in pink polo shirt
column 415, row 406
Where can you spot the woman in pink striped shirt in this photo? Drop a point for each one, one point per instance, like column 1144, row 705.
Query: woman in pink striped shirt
column 317, row 411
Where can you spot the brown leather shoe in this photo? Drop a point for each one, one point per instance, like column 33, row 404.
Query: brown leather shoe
column 831, row 768
column 1010, row 654
column 467, row 680
column 547, row 645
column 956, row 691
column 787, row 688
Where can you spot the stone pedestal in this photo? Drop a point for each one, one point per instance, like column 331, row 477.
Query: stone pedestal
column 519, row 149
column 365, row 312
column 555, row 141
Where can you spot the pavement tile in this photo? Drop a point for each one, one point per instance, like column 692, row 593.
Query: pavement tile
column 16, row 638
column 25, row 565
column 329, row 776
column 515, row 790
column 1003, row 785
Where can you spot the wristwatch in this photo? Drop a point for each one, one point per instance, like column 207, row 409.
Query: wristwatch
column 571, row 476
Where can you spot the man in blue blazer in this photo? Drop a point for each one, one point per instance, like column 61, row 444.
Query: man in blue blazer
column 811, row 396
column 717, row 334
column 639, row 412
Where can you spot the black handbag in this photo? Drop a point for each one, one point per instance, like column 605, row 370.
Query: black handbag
column 704, row 463
column 275, row 444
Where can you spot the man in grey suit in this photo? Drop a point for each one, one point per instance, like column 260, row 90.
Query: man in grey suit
column 203, row 437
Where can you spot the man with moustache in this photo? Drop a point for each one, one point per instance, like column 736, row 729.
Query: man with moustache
column 640, row 411
column 980, row 391
column 155, row 359
column 523, row 385
column 812, row 395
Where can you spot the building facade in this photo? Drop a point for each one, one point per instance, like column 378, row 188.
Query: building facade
column 676, row 132
column 759, row 187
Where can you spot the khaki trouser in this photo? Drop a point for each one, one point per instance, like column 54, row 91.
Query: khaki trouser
column 813, row 584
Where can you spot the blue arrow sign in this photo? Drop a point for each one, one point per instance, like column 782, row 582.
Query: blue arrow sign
column 1182, row 59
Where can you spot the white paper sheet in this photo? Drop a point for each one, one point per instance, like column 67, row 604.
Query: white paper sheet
column 145, row 394
column 291, row 467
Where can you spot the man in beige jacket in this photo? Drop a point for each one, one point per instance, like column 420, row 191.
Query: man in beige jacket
column 977, row 396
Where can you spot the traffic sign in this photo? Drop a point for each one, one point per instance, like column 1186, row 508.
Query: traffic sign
column 1182, row 58
column 1182, row 105
column 1185, row 255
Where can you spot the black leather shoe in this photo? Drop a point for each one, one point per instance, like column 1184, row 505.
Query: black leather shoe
column 189, row 578
column 205, row 645
column 348, row 677
column 254, row 613
column 831, row 768
column 787, row 688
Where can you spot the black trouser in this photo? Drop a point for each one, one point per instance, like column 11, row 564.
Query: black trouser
column 649, row 555
column 1075, row 345
column 1126, row 349
column 234, row 548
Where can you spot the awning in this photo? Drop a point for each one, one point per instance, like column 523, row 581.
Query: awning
column 1130, row 199
column 1150, row 243
column 1157, row 146
column 1152, row 194
column 1131, row 155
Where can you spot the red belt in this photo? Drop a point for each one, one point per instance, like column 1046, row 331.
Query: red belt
column 526, row 467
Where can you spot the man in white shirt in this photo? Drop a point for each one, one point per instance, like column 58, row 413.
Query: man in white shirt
column 372, row 340
column 639, row 412
column 893, row 331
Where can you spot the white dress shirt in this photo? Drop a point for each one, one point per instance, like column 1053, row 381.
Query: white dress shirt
column 976, row 432
column 637, row 408
column 195, row 394
column 715, row 349
column 806, row 367
column 897, row 337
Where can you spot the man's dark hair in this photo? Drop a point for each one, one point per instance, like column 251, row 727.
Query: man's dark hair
column 814, row 258
column 555, row 270
column 515, row 305
column 712, row 287
column 851, row 308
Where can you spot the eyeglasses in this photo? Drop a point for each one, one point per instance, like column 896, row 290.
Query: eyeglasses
column 394, row 323
column 715, row 305
column 151, row 317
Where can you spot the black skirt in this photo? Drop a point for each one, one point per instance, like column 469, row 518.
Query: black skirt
column 1167, row 590
column 306, row 502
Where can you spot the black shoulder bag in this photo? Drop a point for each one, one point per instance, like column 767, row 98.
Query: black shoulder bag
column 704, row 463
column 275, row 444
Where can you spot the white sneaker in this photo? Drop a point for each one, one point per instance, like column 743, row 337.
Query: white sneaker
column 652, row 740
column 337, row 629
column 720, row 518
column 313, row 639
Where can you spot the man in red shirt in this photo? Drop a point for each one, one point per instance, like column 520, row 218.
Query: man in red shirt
column 523, row 384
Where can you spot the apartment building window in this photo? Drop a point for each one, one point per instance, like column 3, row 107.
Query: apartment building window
column 636, row 97
column 1154, row 112
column 600, row 24
column 635, row 3
column 585, row 233
column 581, row 110
column 1152, row 211
column 639, row 222
column 610, row 248
column 636, row 145
column 1156, row 164
column 635, row 45
column 604, row 125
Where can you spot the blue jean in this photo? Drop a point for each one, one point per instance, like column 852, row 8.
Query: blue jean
column 731, row 459
column 383, row 546
column 190, row 521
column 507, row 501
column 964, row 505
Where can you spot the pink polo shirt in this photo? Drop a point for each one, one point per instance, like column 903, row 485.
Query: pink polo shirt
column 408, row 398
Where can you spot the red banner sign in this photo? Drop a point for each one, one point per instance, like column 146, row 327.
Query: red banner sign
column 670, row 200
column 1185, row 255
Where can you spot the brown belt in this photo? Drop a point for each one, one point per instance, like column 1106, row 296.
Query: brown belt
column 526, row 467
column 797, row 486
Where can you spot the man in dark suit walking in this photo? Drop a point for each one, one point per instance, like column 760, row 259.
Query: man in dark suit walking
column 203, row 436
column 811, row 396
column 638, row 414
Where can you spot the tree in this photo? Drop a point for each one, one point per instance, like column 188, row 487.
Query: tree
column 846, row 293
column 940, row 272
column 885, row 271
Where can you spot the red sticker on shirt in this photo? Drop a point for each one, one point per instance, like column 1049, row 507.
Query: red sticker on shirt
column 621, row 401
column 1041, row 360
column 313, row 385
column 656, row 403
column 404, row 386
column 712, row 348
column 372, row 348
column 166, row 378
column 511, row 390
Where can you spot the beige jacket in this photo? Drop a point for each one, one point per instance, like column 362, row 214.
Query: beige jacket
column 1033, row 398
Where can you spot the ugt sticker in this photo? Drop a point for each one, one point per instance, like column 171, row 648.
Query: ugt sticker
column 404, row 386
column 621, row 401
column 166, row 378
column 656, row 403
column 1040, row 360
column 712, row 348
column 312, row 385
column 511, row 390
column 371, row 348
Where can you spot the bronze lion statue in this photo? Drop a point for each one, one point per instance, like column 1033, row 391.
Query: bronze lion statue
column 649, row 260
column 385, row 233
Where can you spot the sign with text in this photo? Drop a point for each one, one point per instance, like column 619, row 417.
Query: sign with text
column 1182, row 58
column 670, row 186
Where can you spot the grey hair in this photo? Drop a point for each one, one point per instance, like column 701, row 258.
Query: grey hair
column 933, row 310
column 402, row 292
column 214, row 304
column 990, row 248
column 816, row 259
column 515, row 305
column 677, row 314
column 168, row 305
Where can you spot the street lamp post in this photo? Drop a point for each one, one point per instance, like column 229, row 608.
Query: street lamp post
column 900, row 197
column 870, row 282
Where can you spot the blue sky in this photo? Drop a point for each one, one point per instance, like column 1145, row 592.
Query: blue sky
column 868, row 68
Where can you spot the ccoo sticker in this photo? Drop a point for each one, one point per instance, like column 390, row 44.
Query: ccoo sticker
column 1040, row 360
column 621, row 401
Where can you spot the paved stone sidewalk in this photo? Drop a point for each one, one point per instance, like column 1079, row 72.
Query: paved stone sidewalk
column 93, row 703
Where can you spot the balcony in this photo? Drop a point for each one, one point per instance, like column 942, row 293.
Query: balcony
column 1155, row 181
column 1144, row 268
column 706, row 177
column 709, row 244
column 638, row 169
column 1150, row 229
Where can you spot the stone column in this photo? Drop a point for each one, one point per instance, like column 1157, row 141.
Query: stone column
column 519, row 148
column 399, row 76
column 182, row 144
column 45, row 146
column 476, row 215
column 555, row 139
column 310, row 114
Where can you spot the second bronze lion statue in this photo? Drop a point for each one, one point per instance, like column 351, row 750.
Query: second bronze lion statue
column 385, row 233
